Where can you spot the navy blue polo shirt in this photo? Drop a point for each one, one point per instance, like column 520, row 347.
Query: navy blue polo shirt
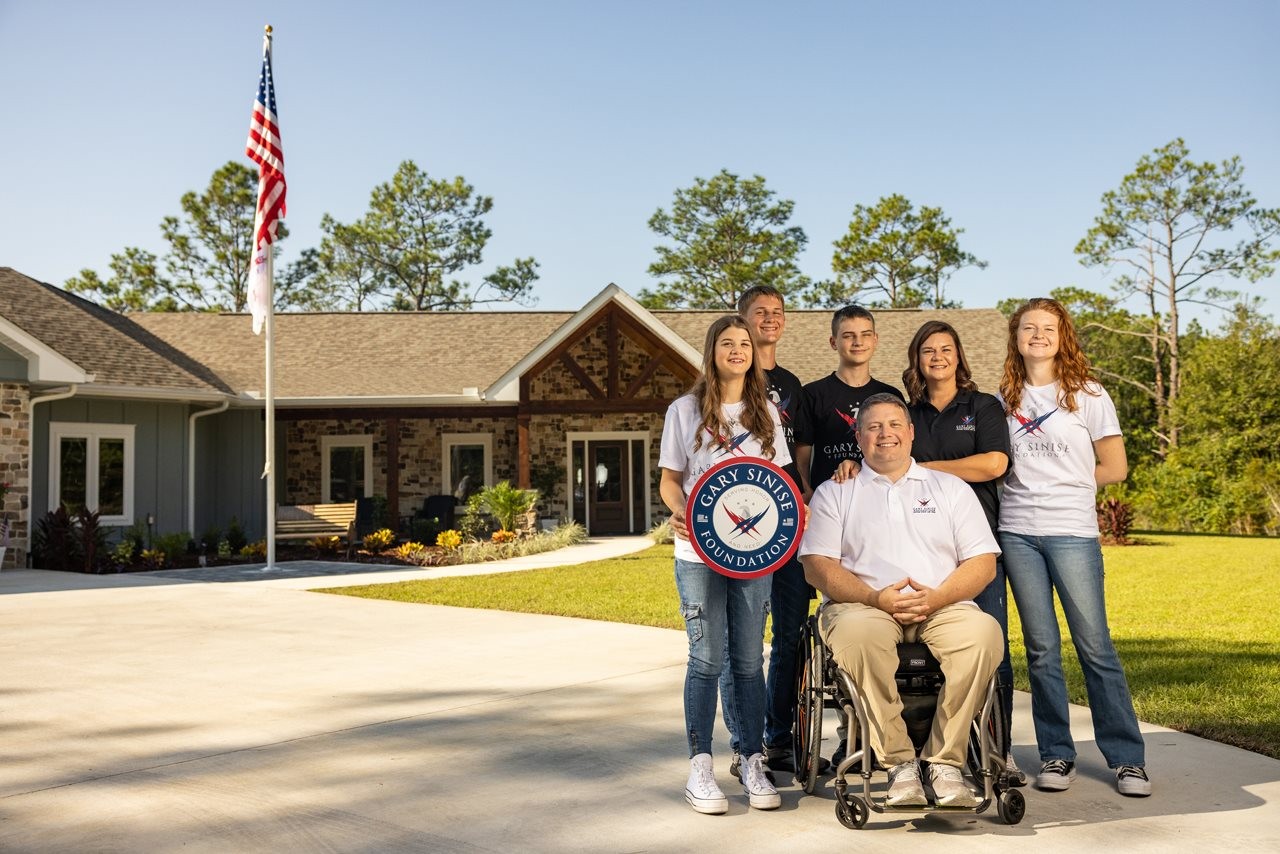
column 972, row 423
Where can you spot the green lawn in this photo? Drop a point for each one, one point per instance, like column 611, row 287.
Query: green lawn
column 1194, row 619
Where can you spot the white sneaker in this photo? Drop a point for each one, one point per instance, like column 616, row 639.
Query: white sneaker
column 701, row 791
column 949, row 787
column 904, row 786
column 760, row 792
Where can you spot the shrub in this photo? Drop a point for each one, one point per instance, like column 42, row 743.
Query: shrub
column 124, row 552
column 54, row 543
column 503, row 537
column 326, row 545
column 152, row 559
column 255, row 551
column 173, row 545
column 379, row 539
column 209, row 539
column 224, row 548
column 235, row 536
column 1115, row 517
column 475, row 524
column 93, row 541
column 410, row 552
column 425, row 530
column 506, row 504
column 449, row 540
column 662, row 534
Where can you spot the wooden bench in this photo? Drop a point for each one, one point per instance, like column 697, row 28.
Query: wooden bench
column 308, row 521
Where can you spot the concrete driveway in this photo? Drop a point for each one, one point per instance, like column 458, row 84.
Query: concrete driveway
column 144, row 713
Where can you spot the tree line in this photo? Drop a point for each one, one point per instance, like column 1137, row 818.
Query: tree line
column 1198, row 404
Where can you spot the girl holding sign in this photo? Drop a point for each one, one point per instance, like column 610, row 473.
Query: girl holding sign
column 726, row 414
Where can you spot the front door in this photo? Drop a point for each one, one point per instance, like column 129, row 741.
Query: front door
column 608, row 493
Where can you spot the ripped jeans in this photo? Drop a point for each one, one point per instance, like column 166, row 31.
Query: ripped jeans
column 719, row 610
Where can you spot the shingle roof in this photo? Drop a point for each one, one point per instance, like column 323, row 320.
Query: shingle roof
column 805, row 351
column 403, row 354
column 370, row 354
column 111, row 346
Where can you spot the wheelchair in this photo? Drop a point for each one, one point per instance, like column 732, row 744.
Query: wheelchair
column 822, row 684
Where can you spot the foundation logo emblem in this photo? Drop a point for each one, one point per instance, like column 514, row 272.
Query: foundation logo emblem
column 745, row 517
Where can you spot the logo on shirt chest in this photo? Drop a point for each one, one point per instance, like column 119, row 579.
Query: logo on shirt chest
column 966, row 424
column 924, row 505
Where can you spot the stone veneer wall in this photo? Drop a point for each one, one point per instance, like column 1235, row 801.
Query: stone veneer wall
column 15, row 468
column 592, row 354
column 421, row 449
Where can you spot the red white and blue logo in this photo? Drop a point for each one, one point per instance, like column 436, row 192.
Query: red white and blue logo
column 745, row 517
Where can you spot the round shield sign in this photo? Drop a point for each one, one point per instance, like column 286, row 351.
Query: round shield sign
column 745, row 517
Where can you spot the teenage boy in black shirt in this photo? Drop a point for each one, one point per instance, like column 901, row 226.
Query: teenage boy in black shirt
column 762, row 307
column 826, row 436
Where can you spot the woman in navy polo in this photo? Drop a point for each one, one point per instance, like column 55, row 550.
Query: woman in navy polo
column 727, row 413
column 961, row 431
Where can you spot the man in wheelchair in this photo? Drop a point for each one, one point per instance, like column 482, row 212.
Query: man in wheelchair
column 899, row 552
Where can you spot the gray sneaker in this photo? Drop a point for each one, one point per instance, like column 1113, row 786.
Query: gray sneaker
column 1056, row 775
column 949, row 787
column 1015, row 775
column 1132, row 780
column 904, row 786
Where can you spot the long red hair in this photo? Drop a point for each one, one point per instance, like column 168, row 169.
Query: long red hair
column 1070, row 364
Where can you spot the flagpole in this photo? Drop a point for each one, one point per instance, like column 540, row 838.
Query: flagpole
column 269, row 469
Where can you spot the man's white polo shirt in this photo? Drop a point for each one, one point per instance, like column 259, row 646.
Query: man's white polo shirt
column 923, row 526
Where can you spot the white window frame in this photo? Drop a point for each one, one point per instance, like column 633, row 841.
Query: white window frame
column 92, row 433
column 447, row 443
column 587, row 437
column 328, row 443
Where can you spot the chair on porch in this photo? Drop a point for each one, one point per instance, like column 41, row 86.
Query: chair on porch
column 440, row 507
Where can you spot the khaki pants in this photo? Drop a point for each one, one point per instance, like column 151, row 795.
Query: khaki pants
column 863, row 640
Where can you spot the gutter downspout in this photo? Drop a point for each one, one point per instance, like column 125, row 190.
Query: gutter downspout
column 31, row 408
column 191, row 462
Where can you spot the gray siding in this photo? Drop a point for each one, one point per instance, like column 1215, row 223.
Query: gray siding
column 229, row 469
column 159, row 453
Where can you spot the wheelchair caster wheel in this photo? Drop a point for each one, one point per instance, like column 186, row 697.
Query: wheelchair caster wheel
column 851, row 812
column 1011, row 806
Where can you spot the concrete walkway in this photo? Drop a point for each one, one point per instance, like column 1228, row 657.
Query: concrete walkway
column 152, row 713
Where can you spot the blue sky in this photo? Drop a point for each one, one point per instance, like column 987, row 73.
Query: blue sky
column 582, row 118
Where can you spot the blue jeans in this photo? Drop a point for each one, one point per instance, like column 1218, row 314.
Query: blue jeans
column 993, row 600
column 1037, row 566
column 789, row 604
column 724, row 617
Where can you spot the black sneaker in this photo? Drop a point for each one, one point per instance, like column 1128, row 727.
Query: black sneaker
column 1056, row 775
column 837, row 757
column 1132, row 780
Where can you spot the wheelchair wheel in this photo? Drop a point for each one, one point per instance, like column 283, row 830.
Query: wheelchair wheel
column 851, row 812
column 1011, row 806
column 806, row 740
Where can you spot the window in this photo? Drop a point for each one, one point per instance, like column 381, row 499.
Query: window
column 467, row 463
column 346, row 468
column 91, row 465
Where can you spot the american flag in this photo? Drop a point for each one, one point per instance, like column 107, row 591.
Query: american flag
column 264, row 149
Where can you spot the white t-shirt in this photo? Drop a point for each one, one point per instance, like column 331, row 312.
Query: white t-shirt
column 681, row 428
column 924, row 526
column 1050, row 490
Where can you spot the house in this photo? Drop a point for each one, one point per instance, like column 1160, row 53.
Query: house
column 160, row 416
